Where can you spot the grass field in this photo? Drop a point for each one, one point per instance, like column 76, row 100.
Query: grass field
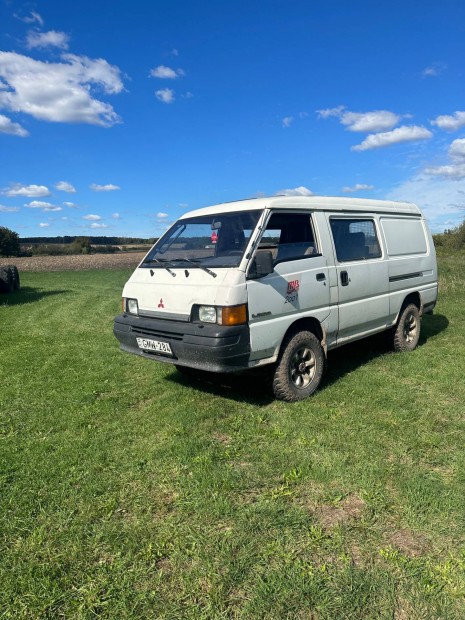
column 128, row 491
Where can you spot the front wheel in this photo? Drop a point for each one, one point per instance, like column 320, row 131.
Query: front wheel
column 300, row 367
column 407, row 331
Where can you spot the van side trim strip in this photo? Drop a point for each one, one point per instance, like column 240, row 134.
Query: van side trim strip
column 406, row 276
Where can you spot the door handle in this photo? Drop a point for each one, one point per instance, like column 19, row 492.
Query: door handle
column 320, row 277
column 345, row 278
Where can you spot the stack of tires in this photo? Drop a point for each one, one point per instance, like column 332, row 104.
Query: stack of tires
column 9, row 279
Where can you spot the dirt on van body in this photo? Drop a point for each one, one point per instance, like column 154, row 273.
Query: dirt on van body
column 79, row 262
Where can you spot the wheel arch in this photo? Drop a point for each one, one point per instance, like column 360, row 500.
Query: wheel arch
column 310, row 324
column 412, row 298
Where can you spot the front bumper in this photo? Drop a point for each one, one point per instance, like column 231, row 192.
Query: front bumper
column 198, row 345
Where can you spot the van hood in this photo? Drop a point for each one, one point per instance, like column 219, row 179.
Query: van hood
column 160, row 294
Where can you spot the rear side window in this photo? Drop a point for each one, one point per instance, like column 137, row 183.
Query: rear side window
column 404, row 236
column 355, row 239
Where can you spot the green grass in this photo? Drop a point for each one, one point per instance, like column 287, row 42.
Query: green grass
column 128, row 491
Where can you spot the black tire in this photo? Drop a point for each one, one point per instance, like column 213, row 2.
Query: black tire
column 6, row 280
column 300, row 367
column 16, row 284
column 407, row 331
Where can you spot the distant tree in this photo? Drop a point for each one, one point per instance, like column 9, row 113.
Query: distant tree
column 452, row 238
column 81, row 245
column 9, row 242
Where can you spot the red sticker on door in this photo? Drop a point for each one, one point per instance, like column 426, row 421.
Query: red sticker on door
column 293, row 286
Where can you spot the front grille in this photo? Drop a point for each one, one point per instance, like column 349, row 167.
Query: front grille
column 156, row 333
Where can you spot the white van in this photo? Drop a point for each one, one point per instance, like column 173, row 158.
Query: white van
column 280, row 281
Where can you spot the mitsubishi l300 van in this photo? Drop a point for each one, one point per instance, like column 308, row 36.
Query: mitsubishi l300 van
column 279, row 282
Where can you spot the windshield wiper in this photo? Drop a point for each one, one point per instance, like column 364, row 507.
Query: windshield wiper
column 162, row 262
column 196, row 263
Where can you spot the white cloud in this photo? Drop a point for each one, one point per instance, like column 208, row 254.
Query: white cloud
column 59, row 92
column 329, row 112
column 441, row 199
column 451, row 171
column 44, row 225
column 434, row 69
column 297, row 191
column 457, row 149
column 406, row 133
column 161, row 215
column 104, row 188
column 450, row 122
column 38, row 204
column 287, row 121
column 166, row 73
column 52, row 38
column 378, row 120
column 64, row 186
column 96, row 225
column 45, row 206
column 166, row 95
column 91, row 217
column 71, row 205
column 32, row 18
column 30, row 191
column 8, row 209
column 358, row 187
column 116, row 216
column 455, row 170
column 14, row 129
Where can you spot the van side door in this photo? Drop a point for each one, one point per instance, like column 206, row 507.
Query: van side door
column 362, row 276
column 298, row 285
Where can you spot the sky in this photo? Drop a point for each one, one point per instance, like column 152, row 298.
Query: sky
column 116, row 117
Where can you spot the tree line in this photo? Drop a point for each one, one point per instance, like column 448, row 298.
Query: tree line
column 93, row 240
column 12, row 245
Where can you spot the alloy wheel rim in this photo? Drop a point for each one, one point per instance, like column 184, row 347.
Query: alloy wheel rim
column 303, row 367
column 410, row 329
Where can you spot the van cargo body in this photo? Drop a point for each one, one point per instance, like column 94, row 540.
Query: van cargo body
column 280, row 281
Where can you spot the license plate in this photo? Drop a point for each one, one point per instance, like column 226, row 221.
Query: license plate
column 154, row 345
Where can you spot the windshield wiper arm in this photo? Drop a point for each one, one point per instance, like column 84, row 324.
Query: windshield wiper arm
column 197, row 264
column 162, row 262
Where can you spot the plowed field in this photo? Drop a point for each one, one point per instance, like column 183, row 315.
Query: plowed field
column 79, row 262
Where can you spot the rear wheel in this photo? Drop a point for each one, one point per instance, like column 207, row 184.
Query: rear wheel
column 300, row 367
column 15, row 281
column 6, row 280
column 407, row 331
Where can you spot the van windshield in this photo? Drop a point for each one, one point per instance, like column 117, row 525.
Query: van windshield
column 217, row 240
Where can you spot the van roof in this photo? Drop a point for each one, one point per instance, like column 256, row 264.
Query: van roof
column 323, row 203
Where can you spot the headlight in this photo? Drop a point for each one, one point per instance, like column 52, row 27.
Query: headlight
column 207, row 314
column 223, row 315
column 130, row 305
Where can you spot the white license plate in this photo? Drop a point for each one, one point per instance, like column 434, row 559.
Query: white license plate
column 154, row 345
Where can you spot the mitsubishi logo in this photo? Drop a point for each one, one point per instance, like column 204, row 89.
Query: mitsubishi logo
column 161, row 304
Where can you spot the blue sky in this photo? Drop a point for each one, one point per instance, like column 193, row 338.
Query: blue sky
column 116, row 117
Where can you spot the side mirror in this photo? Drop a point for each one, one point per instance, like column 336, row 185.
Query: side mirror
column 261, row 265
